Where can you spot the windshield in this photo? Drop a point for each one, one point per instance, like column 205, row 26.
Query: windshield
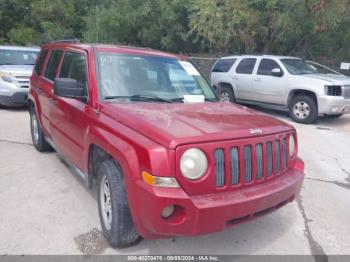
column 298, row 66
column 17, row 57
column 149, row 78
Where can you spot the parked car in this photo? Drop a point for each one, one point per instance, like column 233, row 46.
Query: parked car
column 282, row 82
column 147, row 131
column 16, row 66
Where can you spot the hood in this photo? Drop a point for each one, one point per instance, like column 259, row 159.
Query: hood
column 17, row 69
column 334, row 79
column 177, row 123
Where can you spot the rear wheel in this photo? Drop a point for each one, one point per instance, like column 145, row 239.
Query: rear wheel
column 303, row 109
column 115, row 217
column 38, row 137
column 227, row 95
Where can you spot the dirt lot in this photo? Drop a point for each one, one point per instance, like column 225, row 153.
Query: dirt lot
column 44, row 209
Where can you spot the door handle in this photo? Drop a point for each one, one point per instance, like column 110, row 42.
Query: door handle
column 234, row 77
column 257, row 79
column 53, row 100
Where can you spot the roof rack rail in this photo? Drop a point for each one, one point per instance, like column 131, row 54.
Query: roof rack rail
column 74, row 40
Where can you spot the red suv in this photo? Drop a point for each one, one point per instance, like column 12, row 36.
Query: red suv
column 165, row 156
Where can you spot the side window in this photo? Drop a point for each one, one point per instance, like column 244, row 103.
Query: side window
column 73, row 66
column 53, row 63
column 266, row 66
column 39, row 64
column 224, row 65
column 246, row 66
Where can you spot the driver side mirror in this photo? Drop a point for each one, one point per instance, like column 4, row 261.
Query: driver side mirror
column 67, row 87
column 277, row 72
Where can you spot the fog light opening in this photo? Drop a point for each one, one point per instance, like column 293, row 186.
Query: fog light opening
column 173, row 214
column 168, row 211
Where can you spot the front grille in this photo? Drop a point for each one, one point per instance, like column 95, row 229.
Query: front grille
column 250, row 163
column 334, row 90
column 347, row 91
column 22, row 81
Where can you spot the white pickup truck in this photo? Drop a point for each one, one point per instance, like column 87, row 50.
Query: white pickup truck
column 282, row 82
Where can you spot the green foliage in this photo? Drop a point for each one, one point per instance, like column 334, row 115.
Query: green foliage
column 311, row 28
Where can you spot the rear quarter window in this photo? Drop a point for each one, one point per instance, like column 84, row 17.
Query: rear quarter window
column 39, row 64
column 223, row 65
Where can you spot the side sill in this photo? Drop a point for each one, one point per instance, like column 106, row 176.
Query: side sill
column 76, row 171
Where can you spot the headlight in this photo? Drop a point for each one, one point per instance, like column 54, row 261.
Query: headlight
column 291, row 146
column 6, row 77
column 193, row 163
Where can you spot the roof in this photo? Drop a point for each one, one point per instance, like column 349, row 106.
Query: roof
column 21, row 48
column 113, row 48
column 255, row 56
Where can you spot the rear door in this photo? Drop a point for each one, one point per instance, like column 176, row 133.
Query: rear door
column 69, row 121
column 267, row 87
column 220, row 71
column 243, row 79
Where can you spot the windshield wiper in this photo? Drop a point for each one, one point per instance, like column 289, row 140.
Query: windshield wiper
column 140, row 98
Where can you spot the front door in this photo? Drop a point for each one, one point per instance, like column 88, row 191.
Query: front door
column 68, row 116
column 269, row 88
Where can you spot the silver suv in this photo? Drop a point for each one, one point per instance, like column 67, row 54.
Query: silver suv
column 282, row 82
column 16, row 66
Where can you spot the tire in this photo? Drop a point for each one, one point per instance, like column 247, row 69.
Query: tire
column 227, row 94
column 38, row 138
column 117, row 224
column 303, row 109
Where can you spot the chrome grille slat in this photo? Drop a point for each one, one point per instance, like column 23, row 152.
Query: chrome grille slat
column 284, row 153
column 278, row 156
column 220, row 167
column 269, row 158
column 259, row 161
column 247, row 163
column 234, row 165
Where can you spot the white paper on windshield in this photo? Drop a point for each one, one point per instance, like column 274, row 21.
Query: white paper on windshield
column 190, row 69
column 194, row 98
column 345, row 66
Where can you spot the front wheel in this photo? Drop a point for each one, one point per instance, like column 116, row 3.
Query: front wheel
column 227, row 95
column 303, row 109
column 115, row 217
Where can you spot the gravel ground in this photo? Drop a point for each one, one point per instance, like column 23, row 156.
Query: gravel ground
column 44, row 209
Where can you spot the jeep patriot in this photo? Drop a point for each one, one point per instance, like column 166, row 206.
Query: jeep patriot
column 146, row 131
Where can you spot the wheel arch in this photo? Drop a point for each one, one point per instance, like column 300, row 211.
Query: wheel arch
column 226, row 84
column 295, row 92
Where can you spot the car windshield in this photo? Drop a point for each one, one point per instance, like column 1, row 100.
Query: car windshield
column 17, row 57
column 298, row 66
column 150, row 78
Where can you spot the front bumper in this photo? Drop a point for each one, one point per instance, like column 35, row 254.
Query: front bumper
column 203, row 214
column 15, row 99
column 331, row 105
